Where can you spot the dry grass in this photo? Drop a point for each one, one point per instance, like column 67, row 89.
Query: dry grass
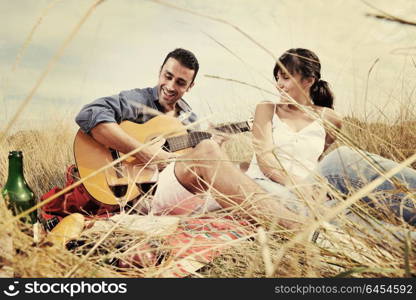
column 394, row 141
column 361, row 247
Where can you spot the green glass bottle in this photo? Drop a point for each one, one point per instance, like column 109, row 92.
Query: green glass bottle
column 18, row 195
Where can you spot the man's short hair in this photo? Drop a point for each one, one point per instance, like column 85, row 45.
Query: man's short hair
column 186, row 58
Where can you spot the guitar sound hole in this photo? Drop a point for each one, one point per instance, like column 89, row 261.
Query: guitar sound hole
column 165, row 147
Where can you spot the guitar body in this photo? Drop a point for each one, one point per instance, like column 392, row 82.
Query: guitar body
column 91, row 156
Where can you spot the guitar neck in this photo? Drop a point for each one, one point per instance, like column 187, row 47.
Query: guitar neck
column 234, row 127
column 192, row 139
column 189, row 140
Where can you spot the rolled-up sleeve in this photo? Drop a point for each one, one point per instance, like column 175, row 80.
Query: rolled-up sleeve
column 100, row 111
column 115, row 109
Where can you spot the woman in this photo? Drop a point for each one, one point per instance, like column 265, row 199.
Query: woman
column 289, row 137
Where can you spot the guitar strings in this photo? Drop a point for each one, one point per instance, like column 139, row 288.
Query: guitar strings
column 192, row 139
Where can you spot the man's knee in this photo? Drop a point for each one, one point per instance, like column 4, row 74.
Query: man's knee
column 207, row 149
column 196, row 160
column 197, row 163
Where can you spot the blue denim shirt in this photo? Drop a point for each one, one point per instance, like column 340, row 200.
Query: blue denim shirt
column 132, row 105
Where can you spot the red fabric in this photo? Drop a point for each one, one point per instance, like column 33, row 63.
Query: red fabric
column 195, row 239
column 75, row 201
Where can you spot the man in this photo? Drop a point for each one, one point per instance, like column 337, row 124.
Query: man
column 204, row 168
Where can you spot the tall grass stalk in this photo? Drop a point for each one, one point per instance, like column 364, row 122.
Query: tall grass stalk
column 372, row 244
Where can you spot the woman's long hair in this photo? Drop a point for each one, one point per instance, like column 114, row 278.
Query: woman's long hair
column 307, row 64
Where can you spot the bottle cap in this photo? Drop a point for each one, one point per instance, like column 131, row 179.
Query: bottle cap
column 15, row 153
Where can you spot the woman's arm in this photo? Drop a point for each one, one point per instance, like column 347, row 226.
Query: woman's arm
column 263, row 144
column 330, row 116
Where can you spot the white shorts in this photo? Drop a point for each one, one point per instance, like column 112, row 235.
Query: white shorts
column 172, row 198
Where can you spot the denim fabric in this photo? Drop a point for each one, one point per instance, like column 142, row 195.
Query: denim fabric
column 346, row 170
column 128, row 105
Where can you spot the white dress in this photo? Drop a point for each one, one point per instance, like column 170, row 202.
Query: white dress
column 297, row 151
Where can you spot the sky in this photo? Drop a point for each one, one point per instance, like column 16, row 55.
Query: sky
column 123, row 43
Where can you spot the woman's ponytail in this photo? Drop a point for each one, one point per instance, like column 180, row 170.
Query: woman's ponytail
column 306, row 63
column 321, row 94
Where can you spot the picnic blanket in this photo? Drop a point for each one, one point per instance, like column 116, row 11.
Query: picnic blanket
column 193, row 242
column 198, row 242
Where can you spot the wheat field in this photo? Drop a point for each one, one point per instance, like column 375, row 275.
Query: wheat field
column 371, row 244
column 358, row 249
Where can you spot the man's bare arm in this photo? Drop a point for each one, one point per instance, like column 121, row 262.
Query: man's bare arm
column 113, row 136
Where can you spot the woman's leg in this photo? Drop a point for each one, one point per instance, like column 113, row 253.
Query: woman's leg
column 286, row 196
column 346, row 170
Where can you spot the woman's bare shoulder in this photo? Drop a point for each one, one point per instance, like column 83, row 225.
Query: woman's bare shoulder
column 332, row 116
column 265, row 107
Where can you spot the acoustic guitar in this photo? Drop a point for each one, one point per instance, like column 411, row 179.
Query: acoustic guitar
column 90, row 155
